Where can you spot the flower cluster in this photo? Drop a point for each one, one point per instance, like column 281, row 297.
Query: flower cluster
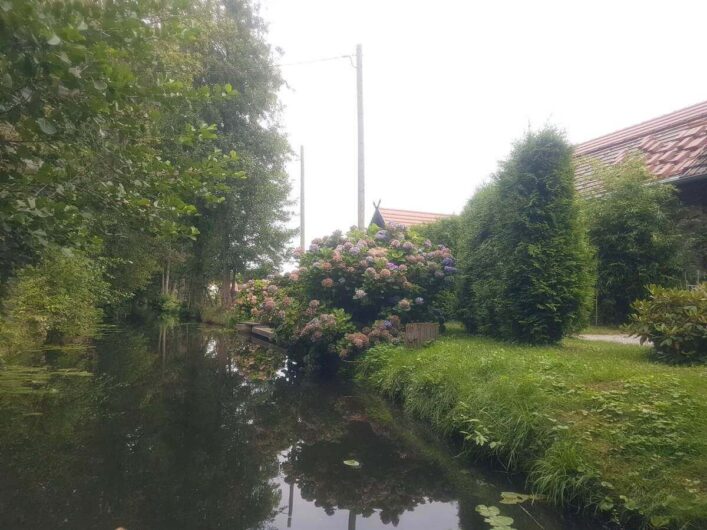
column 350, row 292
column 370, row 275
column 381, row 331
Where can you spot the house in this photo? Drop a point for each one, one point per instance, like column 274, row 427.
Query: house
column 674, row 147
column 382, row 217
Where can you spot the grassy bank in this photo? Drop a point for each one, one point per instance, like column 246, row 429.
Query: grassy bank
column 592, row 424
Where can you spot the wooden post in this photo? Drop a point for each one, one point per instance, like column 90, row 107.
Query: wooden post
column 419, row 333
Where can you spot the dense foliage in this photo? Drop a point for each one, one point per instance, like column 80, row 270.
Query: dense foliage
column 56, row 299
column 443, row 231
column 675, row 321
column 142, row 136
column 524, row 260
column 351, row 292
column 635, row 228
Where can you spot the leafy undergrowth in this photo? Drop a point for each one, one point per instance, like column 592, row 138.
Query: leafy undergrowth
column 593, row 425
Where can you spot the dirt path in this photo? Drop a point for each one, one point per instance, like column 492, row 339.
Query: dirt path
column 619, row 339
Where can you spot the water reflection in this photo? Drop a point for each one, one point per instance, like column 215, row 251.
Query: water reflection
column 182, row 427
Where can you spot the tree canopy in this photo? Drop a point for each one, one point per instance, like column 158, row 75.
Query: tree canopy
column 143, row 135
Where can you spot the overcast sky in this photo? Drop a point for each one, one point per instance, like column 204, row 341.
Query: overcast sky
column 448, row 86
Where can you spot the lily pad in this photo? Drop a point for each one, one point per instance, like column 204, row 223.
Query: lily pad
column 511, row 497
column 487, row 511
column 499, row 520
column 352, row 463
column 46, row 126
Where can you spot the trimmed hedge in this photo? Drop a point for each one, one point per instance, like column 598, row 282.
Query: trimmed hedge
column 524, row 258
column 675, row 321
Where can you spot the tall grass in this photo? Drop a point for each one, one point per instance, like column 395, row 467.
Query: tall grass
column 593, row 425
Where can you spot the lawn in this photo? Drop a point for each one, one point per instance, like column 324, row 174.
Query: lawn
column 592, row 424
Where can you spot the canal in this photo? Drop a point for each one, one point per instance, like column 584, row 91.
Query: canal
column 194, row 427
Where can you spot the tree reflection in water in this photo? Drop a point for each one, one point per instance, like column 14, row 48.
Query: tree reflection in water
column 188, row 427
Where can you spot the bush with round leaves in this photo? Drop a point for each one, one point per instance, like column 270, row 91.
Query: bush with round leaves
column 675, row 321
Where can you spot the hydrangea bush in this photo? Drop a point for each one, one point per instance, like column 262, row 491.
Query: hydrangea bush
column 350, row 292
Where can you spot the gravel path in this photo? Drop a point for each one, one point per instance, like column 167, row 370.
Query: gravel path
column 619, row 339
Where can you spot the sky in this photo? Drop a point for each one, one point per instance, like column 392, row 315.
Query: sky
column 449, row 85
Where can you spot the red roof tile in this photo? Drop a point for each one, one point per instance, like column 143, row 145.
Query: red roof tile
column 674, row 146
column 408, row 217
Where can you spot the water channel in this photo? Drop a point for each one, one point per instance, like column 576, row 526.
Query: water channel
column 194, row 427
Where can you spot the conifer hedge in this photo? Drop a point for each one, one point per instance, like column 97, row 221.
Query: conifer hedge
column 524, row 257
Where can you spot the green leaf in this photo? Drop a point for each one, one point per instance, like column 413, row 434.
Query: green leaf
column 487, row 511
column 352, row 463
column 510, row 497
column 499, row 520
column 46, row 126
column 54, row 40
column 99, row 84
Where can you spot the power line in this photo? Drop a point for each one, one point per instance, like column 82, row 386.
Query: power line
column 312, row 61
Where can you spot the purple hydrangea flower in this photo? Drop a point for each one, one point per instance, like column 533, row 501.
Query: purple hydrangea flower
column 382, row 234
column 448, row 262
column 450, row 270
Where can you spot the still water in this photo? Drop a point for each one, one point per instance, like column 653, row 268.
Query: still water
column 192, row 427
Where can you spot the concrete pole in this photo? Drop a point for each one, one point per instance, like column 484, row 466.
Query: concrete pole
column 359, row 109
column 301, row 197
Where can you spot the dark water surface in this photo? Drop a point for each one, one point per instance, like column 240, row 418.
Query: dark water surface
column 192, row 427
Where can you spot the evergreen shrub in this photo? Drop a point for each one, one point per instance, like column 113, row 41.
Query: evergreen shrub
column 525, row 262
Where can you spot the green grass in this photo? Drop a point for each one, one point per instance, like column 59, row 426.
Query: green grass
column 595, row 425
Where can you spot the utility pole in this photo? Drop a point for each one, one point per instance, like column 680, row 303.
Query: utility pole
column 359, row 109
column 301, row 197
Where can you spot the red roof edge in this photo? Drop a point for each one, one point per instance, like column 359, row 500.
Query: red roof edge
column 395, row 210
column 656, row 124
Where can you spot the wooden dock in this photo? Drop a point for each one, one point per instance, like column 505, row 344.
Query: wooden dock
column 263, row 331
column 247, row 326
column 257, row 329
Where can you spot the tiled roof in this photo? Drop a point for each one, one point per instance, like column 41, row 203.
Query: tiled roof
column 674, row 146
column 409, row 218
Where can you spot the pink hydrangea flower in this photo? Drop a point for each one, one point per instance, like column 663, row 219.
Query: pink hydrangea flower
column 327, row 282
column 269, row 304
column 359, row 294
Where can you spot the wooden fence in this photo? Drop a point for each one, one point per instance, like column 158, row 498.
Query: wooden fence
column 420, row 333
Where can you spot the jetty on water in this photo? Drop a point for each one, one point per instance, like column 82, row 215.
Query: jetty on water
column 256, row 328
